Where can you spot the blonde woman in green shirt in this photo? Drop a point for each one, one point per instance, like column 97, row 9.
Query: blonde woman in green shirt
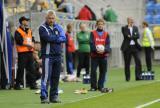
column 83, row 50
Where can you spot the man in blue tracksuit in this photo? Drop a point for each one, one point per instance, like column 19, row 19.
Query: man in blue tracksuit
column 51, row 36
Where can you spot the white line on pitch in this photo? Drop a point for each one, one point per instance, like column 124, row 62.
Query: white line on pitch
column 101, row 95
column 85, row 98
column 149, row 103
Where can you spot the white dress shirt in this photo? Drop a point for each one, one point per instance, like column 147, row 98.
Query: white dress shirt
column 131, row 32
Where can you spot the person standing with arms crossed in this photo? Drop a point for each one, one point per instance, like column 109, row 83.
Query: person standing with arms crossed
column 52, row 36
column 100, row 48
column 130, row 47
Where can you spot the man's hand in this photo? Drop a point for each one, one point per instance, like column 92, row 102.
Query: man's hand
column 129, row 36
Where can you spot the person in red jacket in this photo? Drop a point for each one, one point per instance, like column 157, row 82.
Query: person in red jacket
column 85, row 14
column 70, row 49
column 100, row 48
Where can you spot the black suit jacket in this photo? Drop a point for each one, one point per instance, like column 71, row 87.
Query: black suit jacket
column 128, row 37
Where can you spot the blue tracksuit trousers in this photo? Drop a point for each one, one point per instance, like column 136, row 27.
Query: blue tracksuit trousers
column 50, row 76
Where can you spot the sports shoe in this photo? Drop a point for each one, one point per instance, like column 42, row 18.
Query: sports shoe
column 38, row 91
column 92, row 89
column 55, row 100
column 106, row 90
column 138, row 79
column 60, row 91
column 17, row 87
column 35, row 87
column 44, row 101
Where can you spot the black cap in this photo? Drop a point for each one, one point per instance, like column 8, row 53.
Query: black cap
column 22, row 19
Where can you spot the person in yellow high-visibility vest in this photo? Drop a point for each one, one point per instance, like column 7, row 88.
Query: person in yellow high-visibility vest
column 148, row 44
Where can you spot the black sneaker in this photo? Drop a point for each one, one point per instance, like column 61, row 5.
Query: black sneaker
column 92, row 89
column 106, row 90
column 55, row 101
column 127, row 79
column 44, row 101
column 138, row 79
column 17, row 87
column 35, row 87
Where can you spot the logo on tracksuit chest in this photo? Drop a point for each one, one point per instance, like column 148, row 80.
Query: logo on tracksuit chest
column 55, row 31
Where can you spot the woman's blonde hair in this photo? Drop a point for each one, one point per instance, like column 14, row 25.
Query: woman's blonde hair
column 100, row 20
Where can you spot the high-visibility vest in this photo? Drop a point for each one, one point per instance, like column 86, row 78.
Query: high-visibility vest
column 145, row 40
column 27, row 40
column 99, row 40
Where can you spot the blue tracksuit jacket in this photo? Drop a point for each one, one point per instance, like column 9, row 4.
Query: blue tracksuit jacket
column 51, row 39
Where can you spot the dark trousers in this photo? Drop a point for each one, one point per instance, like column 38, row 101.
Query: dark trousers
column 69, row 62
column 25, row 61
column 102, row 63
column 127, row 59
column 148, row 51
column 83, row 62
column 51, row 68
column 37, row 73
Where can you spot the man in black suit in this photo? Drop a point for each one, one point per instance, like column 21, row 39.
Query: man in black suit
column 130, row 47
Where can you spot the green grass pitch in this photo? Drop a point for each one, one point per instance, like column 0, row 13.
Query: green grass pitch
column 125, row 95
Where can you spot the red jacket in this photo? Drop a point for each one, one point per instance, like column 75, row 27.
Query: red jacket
column 84, row 14
column 70, row 47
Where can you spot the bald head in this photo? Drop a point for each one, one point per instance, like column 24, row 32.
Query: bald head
column 130, row 21
column 51, row 17
column 82, row 27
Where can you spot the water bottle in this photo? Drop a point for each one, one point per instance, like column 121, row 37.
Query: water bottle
column 149, row 75
column 152, row 75
column 143, row 75
column 88, row 79
column 84, row 79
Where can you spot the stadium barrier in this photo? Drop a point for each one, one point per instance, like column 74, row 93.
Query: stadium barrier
column 114, row 29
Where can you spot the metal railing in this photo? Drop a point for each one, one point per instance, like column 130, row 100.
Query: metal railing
column 114, row 29
column 37, row 18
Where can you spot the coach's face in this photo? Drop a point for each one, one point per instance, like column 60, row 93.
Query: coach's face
column 130, row 21
column 50, row 19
